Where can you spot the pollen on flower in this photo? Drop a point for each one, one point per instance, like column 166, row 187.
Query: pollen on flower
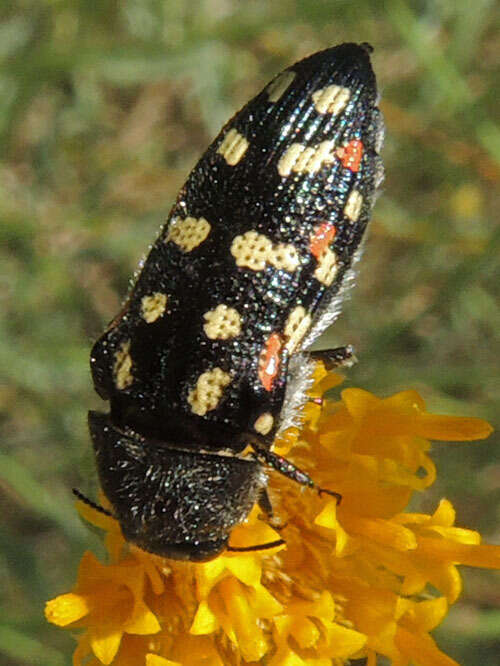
column 316, row 596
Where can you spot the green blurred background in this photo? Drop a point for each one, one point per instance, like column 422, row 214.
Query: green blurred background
column 104, row 108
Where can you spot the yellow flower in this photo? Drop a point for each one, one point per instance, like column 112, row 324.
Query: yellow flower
column 355, row 580
column 109, row 602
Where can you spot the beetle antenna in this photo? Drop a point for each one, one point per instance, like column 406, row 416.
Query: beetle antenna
column 261, row 546
column 337, row 496
column 92, row 504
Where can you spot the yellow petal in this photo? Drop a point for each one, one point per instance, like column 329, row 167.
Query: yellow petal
column 452, row 428
column 143, row 621
column 66, row 608
column 484, row 555
column 413, row 583
column 219, row 608
column 156, row 660
column 105, row 642
column 456, row 534
column 422, row 649
column 444, row 514
column 382, row 531
column 320, row 372
column 404, row 413
column 195, row 651
column 331, row 380
column 115, row 544
column 328, row 516
column 263, row 602
column 371, row 609
column 324, row 606
column 359, row 402
column 305, row 632
column 205, row 622
column 406, row 401
column 290, row 659
column 151, row 570
column 445, row 577
column 343, row 643
column 90, row 570
column 474, row 556
column 427, row 615
column 249, row 635
column 208, row 574
column 245, row 567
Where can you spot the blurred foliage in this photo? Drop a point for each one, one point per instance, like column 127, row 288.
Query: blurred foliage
column 104, row 108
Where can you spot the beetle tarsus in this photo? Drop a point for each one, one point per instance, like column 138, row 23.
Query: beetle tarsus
column 89, row 502
column 261, row 546
column 337, row 496
column 338, row 357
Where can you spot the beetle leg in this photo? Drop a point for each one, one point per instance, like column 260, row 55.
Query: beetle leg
column 259, row 546
column 264, row 503
column 89, row 502
column 339, row 357
column 291, row 471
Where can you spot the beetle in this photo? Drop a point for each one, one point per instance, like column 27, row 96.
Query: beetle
column 207, row 361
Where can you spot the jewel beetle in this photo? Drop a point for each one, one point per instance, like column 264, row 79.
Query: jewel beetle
column 207, row 361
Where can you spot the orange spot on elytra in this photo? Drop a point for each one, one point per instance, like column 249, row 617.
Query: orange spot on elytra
column 323, row 236
column 269, row 361
column 350, row 155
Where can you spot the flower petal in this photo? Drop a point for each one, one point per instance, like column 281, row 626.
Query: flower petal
column 205, row 621
column 305, row 632
column 143, row 621
column 422, row 649
column 427, row 615
column 452, row 428
column 249, row 635
column 66, row 608
column 343, row 643
column 105, row 642
column 156, row 660
column 474, row 556
column 381, row 531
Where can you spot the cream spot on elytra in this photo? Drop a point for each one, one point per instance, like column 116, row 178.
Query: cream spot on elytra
column 331, row 99
column 254, row 250
column 153, row 306
column 327, row 267
column 298, row 323
column 306, row 159
column 233, row 147
column 122, row 367
column 264, row 424
column 222, row 323
column 188, row 233
column 352, row 208
column 208, row 391
column 284, row 256
column 251, row 250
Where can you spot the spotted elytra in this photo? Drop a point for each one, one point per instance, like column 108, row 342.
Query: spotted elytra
column 208, row 362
